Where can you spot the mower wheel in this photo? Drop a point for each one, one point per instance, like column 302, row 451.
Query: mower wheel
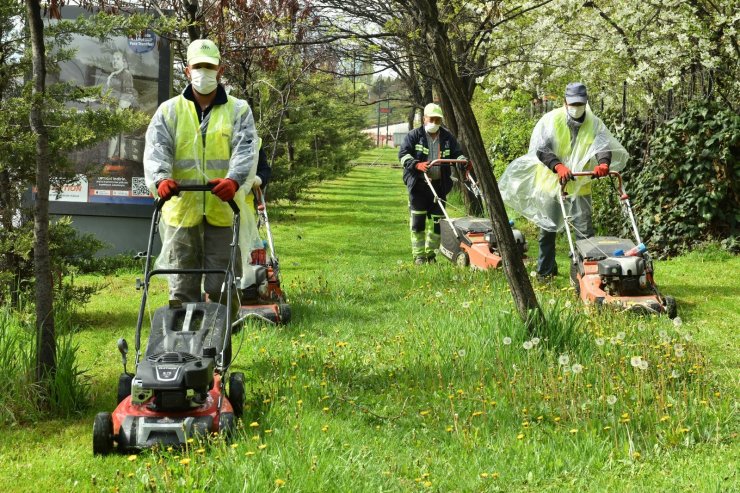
column 236, row 393
column 574, row 281
column 226, row 425
column 103, row 434
column 671, row 308
column 124, row 386
column 462, row 259
column 285, row 313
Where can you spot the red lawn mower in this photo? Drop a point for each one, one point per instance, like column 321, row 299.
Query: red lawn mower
column 607, row 270
column 266, row 300
column 178, row 390
column 469, row 241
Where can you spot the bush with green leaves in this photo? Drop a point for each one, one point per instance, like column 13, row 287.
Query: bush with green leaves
column 683, row 180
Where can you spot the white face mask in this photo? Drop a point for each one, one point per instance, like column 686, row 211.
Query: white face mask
column 431, row 128
column 203, row 80
column 576, row 111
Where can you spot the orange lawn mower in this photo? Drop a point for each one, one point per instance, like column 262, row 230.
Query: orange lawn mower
column 266, row 300
column 178, row 388
column 469, row 241
column 607, row 270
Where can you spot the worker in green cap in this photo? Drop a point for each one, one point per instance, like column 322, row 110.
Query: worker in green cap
column 420, row 147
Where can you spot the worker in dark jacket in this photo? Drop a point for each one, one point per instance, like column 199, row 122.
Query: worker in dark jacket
column 420, row 147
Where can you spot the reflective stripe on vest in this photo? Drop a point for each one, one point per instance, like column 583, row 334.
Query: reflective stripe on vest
column 196, row 164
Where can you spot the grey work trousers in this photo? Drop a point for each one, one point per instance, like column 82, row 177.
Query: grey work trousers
column 579, row 211
column 199, row 247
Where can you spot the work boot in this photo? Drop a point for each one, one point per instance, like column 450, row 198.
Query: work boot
column 420, row 261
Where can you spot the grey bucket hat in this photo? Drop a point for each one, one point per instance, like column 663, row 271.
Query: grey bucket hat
column 575, row 92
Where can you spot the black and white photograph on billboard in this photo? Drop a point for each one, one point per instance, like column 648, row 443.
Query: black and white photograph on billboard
column 127, row 69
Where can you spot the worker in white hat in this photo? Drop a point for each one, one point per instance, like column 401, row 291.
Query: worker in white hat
column 420, row 147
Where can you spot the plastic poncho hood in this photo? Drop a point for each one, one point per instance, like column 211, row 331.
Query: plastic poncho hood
column 531, row 188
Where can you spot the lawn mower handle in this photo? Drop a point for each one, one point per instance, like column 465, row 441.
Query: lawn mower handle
column 622, row 194
column 440, row 162
column 197, row 188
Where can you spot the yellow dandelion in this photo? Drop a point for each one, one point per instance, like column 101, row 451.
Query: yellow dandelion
column 234, row 445
column 185, row 461
column 494, row 475
column 477, row 413
column 254, row 424
column 664, row 418
column 520, row 436
column 325, row 428
column 326, row 409
column 448, row 429
column 262, row 446
column 703, row 403
column 130, row 475
column 625, row 416
column 300, row 402
column 249, row 454
column 428, row 484
column 635, row 455
column 424, row 413
column 684, row 430
column 279, row 482
column 484, row 475
column 267, row 432
column 557, row 419
column 132, row 458
column 607, row 428
column 540, row 418
column 201, row 450
column 574, row 430
column 190, row 440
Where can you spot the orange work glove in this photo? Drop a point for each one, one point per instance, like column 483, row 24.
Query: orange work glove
column 167, row 188
column 224, row 189
column 422, row 166
column 601, row 170
column 563, row 172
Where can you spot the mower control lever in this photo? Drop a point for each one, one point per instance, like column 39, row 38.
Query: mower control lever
column 440, row 162
column 576, row 174
column 197, row 188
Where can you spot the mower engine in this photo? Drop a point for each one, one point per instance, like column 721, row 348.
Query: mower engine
column 178, row 381
column 518, row 239
column 623, row 276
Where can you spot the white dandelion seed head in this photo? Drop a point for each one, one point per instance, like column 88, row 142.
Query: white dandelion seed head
column 640, row 327
column 613, row 340
column 687, row 337
column 466, row 304
column 533, row 274
column 635, row 361
column 563, row 359
column 552, row 301
column 663, row 334
column 455, row 278
column 514, row 367
column 461, row 353
column 644, row 365
column 399, row 261
column 675, row 374
column 679, row 353
column 678, row 347
column 507, row 341
column 600, row 341
column 611, row 399
column 677, row 321
column 535, row 340
column 568, row 304
column 621, row 336
column 577, row 368
column 527, row 345
column 438, row 294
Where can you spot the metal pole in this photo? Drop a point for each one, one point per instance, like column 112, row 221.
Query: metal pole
column 387, row 120
column 377, row 140
column 624, row 101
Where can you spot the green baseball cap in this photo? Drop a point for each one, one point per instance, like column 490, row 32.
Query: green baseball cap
column 203, row 51
column 433, row 110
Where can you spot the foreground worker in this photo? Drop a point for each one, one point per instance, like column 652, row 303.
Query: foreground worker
column 420, row 147
column 201, row 136
column 565, row 140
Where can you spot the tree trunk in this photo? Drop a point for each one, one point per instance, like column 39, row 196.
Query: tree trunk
column 473, row 206
column 439, row 48
column 46, row 343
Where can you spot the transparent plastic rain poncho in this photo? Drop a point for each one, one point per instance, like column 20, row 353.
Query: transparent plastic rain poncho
column 531, row 188
column 175, row 128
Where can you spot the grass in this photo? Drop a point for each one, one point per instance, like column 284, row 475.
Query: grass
column 378, row 155
column 398, row 378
